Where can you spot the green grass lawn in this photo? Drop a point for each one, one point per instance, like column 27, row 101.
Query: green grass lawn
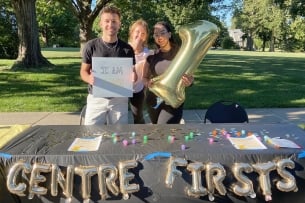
column 254, row 79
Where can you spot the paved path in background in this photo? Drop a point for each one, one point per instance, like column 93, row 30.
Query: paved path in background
column 273, row 115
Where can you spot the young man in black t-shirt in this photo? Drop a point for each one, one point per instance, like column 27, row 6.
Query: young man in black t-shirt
column 105, row 110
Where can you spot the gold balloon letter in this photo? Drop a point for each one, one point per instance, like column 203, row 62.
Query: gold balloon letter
column 264, row 169
column 107, row 176
column 215, row 181
column 196, row 39
column 172, row 170
column 125, row 177
column 288, row 183
column 37, row 178
column 196, row 190
column 11, row 184
column 86, row 172
column 244, row 186
column 58, row 178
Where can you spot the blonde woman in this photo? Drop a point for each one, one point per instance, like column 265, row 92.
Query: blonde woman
column 138, row 36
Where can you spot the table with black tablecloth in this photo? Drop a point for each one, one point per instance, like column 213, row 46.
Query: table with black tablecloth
column 49, row 145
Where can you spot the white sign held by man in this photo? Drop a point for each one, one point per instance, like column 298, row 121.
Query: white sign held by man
column 112, row 77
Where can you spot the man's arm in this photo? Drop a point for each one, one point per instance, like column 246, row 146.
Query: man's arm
column 86, row 73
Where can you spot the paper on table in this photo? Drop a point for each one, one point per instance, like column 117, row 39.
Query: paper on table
column 245, row 143
column 284, row 143
column 85, row 144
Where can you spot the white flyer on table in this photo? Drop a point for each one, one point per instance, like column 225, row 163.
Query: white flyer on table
column 85, row 144
column 247, row 143
column 112, row 77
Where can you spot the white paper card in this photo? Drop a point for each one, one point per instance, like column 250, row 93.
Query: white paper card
column 284, row 143
column 247, row 143
column 112, row 77
column 85, row 144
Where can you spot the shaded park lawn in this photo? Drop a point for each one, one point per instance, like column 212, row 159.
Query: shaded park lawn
column 254, row 79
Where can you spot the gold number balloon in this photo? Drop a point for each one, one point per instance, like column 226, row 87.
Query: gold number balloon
column 196, row 38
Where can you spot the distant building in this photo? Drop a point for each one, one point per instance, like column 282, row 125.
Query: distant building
column 236, row 35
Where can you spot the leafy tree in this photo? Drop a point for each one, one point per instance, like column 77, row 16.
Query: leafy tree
column 260, row 18
column 86, row 12
column 132, row 10
column 249, row 21
column 295, row 7
column 8, row 32
column 57, row 24
column 29, row 51
column 297, row 32
column 228, row 43
column 177, row 13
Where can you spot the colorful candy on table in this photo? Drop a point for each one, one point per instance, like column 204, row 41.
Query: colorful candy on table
column 133, row 138
column 219, row 134
column 215, row 136
column 126, row 141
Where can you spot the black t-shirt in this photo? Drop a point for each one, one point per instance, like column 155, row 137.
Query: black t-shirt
column 97, row 48
column 160, row 61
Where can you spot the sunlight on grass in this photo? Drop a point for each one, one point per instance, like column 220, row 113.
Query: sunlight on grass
column 61, row 53
column 257, row 53
column 246, row 91
column 298, row 101
column 254, row 79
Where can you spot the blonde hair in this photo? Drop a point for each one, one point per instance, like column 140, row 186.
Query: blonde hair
column 142, row 23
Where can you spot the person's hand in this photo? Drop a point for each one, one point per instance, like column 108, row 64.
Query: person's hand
column 137, row 44
column 187, row 80
column 150, row 83
column 91, row 78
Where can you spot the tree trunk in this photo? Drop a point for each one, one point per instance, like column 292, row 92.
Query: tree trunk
column 272, row 39
column 29, row 51
column 45, row 35
column 85, row 33
column 249, row 42
column 86, row 15
column 264, row 45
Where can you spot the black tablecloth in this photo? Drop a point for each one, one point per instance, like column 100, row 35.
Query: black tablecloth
column 49, row 144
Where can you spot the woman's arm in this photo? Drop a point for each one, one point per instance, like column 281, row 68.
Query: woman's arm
column 146, row 74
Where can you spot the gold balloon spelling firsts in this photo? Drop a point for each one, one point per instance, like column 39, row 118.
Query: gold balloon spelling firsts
column 196, row 38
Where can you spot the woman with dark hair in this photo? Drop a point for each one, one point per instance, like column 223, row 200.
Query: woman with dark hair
column 156, row 65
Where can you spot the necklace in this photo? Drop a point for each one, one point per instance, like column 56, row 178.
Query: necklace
column 111, row 44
